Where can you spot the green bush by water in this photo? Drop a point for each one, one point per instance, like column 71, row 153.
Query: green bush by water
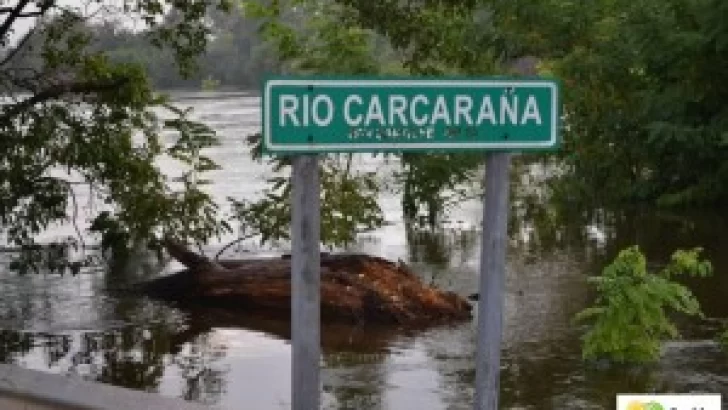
column 630, row 319
column 723, row 339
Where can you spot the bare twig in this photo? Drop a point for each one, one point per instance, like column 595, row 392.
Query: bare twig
column 13, row 14
column 43, row 9
column 37, row 13
column 238, row 240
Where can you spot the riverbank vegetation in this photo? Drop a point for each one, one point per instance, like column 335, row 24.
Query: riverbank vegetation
column 644, row 85
column 74, row 117
column 631, row 315
column 643, row 82
column 642, row 112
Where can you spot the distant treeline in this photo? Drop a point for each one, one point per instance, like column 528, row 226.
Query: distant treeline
column 236, row 55
column 235, row 58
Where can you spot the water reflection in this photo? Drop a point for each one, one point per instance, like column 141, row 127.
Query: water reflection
column 218, row 356
column 132, row 357
column 441, row 248
column 356, row 381
column 76, row 325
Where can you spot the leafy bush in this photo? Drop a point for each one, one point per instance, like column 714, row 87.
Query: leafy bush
column 723, row 340
column 630, row 315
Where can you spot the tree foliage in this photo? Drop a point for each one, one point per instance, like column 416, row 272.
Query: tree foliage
column 645, row 86
column 630, row 315
column 235, row 55
column 331, row 37
column 310, row 38
column 644, row 83
column 348, row 205
column 73, row 118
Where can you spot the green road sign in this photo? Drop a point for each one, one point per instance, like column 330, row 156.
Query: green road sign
column 322, row 115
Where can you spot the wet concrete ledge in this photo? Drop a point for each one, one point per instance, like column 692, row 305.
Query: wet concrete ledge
column 23, row 389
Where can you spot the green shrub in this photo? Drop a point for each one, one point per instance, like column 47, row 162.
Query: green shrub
column 630, row 315
column 723, row 340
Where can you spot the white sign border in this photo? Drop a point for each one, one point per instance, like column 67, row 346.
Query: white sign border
column 396, row 146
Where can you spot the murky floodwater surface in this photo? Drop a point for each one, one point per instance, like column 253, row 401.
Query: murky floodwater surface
column 73, row 325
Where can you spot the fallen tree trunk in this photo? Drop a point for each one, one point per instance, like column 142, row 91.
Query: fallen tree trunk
column 355, row 288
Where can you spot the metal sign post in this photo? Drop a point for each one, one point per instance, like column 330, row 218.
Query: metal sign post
column 304, row 116
column 492, row 281
column 305, row 283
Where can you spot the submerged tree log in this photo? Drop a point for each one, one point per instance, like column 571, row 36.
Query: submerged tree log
column 355, row 288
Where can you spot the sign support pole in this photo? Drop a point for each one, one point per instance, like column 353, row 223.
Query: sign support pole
column 305, row 283
column 492, row 281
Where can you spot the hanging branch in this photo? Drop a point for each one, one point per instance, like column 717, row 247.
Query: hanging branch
column 238, row 240
column 58, row 91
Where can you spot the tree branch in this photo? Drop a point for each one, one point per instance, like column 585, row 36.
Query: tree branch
column 18, row 47
column 23, row 15
column 238, row 240
column 43, row 9
column 14, row 14
column 58, row 91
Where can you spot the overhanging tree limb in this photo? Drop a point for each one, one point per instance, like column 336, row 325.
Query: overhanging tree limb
column 70, row 103
column 58, row 91
column 22, row 15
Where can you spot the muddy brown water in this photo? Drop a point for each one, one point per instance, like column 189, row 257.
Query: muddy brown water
column 74, row 325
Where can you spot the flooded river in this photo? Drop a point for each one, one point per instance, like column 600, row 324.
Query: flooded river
column 74, row 325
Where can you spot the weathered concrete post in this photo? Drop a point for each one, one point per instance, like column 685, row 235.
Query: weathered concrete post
column 492, row 281
column 305, row 281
